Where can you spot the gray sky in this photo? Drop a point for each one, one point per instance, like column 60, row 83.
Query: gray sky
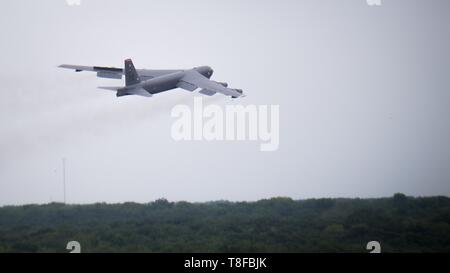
column 363, row 94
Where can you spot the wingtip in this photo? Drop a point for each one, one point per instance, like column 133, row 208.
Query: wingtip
column 68, row 66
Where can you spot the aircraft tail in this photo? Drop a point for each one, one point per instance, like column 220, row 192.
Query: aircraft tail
column 112, row 88
column 131, row 76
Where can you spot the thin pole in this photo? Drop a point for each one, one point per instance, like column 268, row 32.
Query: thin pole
column 64, row 178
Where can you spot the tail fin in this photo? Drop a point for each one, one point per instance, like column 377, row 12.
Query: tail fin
column 131, row 76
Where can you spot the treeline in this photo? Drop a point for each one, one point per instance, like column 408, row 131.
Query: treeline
column 400, row 224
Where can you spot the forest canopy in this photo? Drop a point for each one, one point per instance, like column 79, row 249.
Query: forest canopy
column 399, row 223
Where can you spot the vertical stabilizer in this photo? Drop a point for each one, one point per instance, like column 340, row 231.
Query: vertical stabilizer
column 131, row 76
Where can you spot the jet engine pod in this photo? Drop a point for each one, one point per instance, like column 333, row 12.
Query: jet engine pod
column 237, row 90
column 224, row 84
column 109, row 75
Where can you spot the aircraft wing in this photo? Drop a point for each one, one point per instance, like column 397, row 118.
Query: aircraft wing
column 102, row 72
column 193, row 78
column 117, row 73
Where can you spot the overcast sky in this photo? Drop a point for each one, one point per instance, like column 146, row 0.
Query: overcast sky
column 364, row 96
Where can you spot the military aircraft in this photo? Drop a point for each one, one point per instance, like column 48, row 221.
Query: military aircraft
column 145, row 82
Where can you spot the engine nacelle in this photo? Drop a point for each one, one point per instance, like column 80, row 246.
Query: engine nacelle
column 109, row 75
column 224, row 84
column 237, row 90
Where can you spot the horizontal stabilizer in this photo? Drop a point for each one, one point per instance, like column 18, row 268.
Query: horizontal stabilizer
column 113, row 88
column 133, row 91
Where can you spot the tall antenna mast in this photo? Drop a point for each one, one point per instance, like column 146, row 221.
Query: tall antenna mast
column 64, row 177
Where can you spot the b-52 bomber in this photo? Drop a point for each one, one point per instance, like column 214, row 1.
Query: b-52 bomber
column 147, row 82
